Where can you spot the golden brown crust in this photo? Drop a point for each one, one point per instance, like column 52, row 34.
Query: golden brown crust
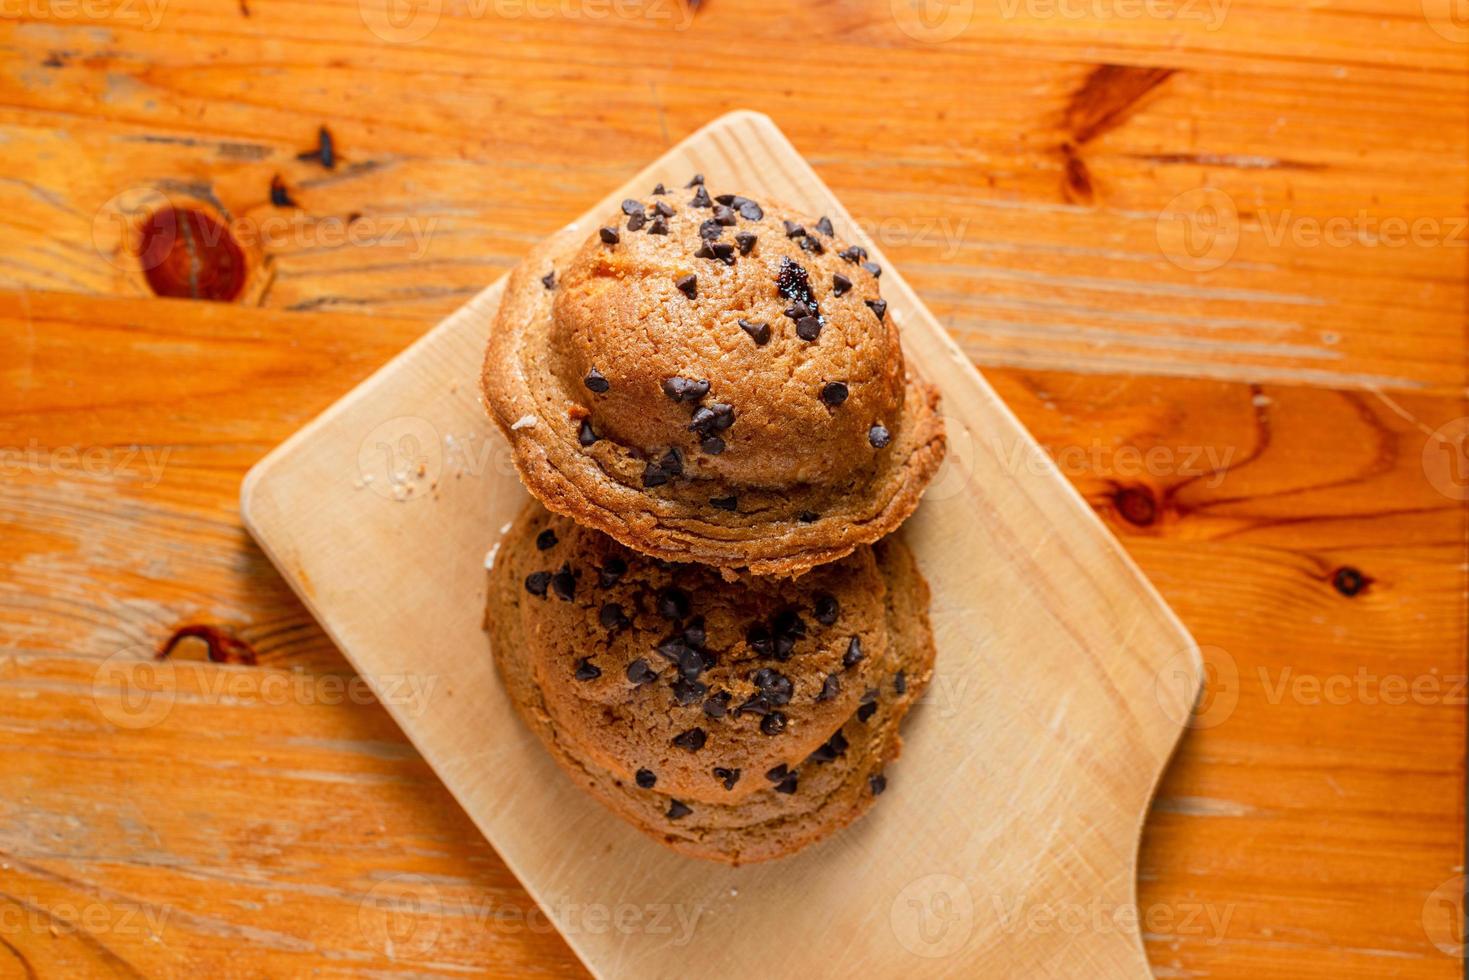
column 602, row 727
column 800, row 480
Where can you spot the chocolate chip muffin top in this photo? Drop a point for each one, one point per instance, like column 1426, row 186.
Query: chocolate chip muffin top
column 735, row 721
column 712, row 379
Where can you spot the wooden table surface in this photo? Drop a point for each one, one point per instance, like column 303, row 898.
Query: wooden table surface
column 1213, row 254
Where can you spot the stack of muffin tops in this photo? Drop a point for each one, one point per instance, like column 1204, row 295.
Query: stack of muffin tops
column 702, row 617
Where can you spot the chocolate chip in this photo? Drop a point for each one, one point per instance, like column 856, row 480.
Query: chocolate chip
column 900, row 682
column 813, row 246
column 745, row 241
column 873, row 268
column 677, row 810
column 727, row 198
column 716, row 252
column 808, row 517
column 792, row 282
column 689, row 286
column 612, row 617
column 695, row 180
column 715, row 417
column 563, row 583
column 587, row 671
column 778, row 773
column 830, row 688
column 879, row 436
column 609, row 574
column 536, row 583
column 711, row 230
column 659, row 189
column 664, row 210
column 546, row 540
column 787, row 785
column 653, row 476
column 730, row 503
column 824, row 226
column 686, row 691
column 774, row 686
column 840, row 284
column 727, row 776
column 636, row 222
column 834, row 393
column 673, row 603
column 549, row 279
column 672, row 463
column 749, row 210
column 878, row 306
column 866, row 711
column 609, row 235
column 759, row 639
column 694, row 635
column 724, row 215
column 596, row 382
column 808, row 328
column 692, row 740
column 717, row 705
column 773, row 723
column 831, row 750
column 701, row 199
column 853, row 254
column 585, row 434
column 659, row 226
column 878, row 782
column 631, row 207
column 794, row 230
column 755, row 704
column 713, row 445
column 646, row 778
column 827, row 609
column 640, row 673
column 853, row 656
column 685, row 389
column 759, row 332
column 691, row 665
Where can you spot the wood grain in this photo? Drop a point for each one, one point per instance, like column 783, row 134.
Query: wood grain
column 1326, row 827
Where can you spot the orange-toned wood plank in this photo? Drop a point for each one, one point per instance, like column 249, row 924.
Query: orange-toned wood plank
column 1033, row 190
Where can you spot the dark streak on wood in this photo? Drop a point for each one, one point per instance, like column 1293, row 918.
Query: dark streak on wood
column 223, row 648
column 1109, row 95
column 1077, row 182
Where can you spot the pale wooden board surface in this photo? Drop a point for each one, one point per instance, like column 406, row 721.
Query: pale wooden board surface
column 1062, row 683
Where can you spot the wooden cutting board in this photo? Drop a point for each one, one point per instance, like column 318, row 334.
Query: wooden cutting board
column 1006, row 844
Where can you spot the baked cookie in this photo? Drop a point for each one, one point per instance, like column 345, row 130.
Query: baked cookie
column 712, row 379
column 735, row 721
